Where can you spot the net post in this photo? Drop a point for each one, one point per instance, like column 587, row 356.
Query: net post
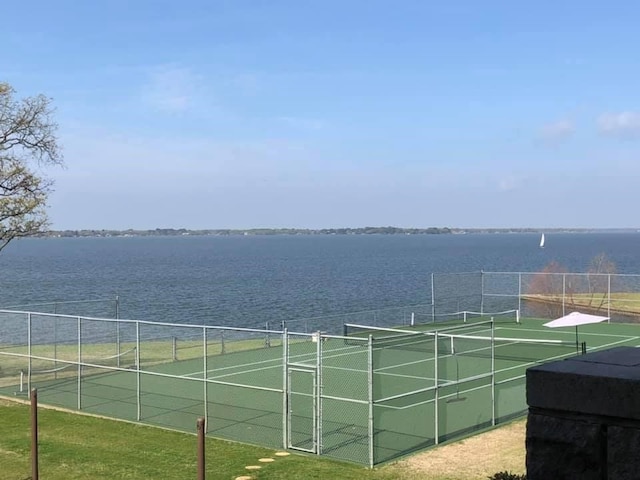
column 518, row 316
column 413, row 319
column 464, row 316
column 34, row 434
column 200, row 427
column 267, row 338
column 519, row 291
column 222, row 349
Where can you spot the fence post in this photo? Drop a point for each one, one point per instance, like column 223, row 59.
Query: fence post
column 370, row 395
column 433, row 300
column 79, row 363
column 200, row 426
column 436, row 392
column 609, row 298
column 174, row 348
column 205, row 375
column 564, row 279
column 285, row 388
column 29, row 352
column 138, row 394
column 34, row 434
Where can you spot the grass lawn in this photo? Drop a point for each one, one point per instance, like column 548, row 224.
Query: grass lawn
column 74, row 446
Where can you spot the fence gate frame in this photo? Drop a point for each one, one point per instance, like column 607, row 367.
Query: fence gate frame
column 294, row 397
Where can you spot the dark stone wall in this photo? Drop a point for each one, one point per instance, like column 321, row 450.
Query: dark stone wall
column 584, row 417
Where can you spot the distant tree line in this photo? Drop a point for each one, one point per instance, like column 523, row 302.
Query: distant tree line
column 251, row 231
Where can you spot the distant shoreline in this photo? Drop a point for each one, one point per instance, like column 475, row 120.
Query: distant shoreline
column 324, row 231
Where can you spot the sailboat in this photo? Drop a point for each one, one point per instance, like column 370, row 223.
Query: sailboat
column 542, row 241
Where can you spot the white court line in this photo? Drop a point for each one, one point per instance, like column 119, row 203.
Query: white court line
column 561, row 356
column 277, row 362
column 407, row 376
column 571, row 332
column 508, row 379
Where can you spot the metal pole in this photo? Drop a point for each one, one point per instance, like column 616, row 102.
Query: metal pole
column 205, row 375
column 609, row 298
column 481, row 291
column 285, row 387
column 138, row 400
column 29, row 350
column 200, row 427
column 79, row 363
column 174, row 348
column 267, row 339
column 55, row 347
column 563, row 292
column 435, row 374
column 34, row 434
column 519, row 291
column 118, row 331
column 493, row 373
column 370, row 394
column 318, row 394
column 433, row 300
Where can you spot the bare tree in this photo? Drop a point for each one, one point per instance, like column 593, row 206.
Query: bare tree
column 599, row 273
column 552, row 291
column 27, row 141
column 546, row 290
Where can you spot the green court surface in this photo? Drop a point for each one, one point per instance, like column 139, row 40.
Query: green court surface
column 332, row 396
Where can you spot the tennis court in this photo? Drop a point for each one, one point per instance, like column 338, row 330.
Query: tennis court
column 369, row 395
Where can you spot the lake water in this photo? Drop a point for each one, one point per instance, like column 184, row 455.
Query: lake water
column 248, row 280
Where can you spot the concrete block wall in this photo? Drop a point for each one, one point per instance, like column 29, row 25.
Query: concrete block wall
column 584, row 417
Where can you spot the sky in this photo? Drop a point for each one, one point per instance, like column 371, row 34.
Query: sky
column 326, row 114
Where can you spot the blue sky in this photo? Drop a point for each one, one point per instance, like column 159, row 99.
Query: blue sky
column 312, row 114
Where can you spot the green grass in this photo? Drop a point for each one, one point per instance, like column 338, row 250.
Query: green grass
column 76, row 446
column 628, row 303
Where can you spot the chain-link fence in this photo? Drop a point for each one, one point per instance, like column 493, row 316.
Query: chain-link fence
column 356, row 395
column 274, row 388
column 543, row 295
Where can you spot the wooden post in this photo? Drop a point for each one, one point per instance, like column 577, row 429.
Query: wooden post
column 34, row 434
column 200, row 427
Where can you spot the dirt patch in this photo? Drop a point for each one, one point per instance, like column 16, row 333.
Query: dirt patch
column 477, row 457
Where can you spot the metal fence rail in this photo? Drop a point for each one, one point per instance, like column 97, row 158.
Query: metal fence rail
column 350, row 397
column 539, row 294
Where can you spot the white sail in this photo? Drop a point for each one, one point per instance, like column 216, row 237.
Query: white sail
column 542, row 241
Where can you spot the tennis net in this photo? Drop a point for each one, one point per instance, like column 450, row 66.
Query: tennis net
column 466, row 316
column 473, row 345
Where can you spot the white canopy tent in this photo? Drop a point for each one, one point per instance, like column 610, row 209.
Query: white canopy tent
column 575, row 319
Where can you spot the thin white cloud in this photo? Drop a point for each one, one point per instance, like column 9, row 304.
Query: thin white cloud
column 624, row 125
column 556, row 132
column 302, row 123
column 171, row 89
column 510, row 183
